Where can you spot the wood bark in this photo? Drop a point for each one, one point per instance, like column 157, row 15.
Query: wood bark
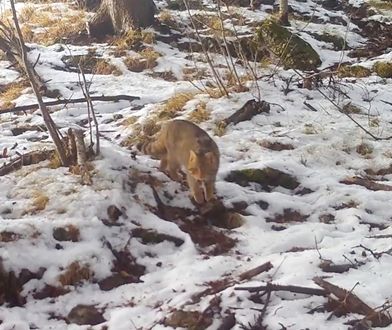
column 119, row 16
column 354, row 304
column 284, row 12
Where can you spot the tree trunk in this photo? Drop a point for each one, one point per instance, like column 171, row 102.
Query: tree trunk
column 119, row 16
column 284, row 12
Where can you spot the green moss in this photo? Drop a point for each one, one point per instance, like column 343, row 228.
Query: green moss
column 383, row 69
column 356, row 71
column 265, row 177
column 381, row 5
column 295, row 52
column 337, row 41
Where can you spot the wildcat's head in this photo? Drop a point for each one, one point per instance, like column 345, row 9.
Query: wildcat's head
column 203, row 166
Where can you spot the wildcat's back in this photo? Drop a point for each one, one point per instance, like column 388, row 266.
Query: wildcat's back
column 182, row 144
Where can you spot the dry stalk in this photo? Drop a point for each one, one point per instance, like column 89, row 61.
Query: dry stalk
column 218, row 79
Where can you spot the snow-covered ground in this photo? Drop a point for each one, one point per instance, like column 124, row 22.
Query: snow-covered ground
column 324, row 147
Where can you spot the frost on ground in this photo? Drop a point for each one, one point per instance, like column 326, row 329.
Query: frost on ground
column 131, row 251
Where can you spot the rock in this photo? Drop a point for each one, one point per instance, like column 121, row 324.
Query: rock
column 188, row 319
column 117, row 280
column 298, row 55
column 85, row 314
column 287, row 216
column 149, row 236
column 114, row 213
column 265, row 177
column 68, row 233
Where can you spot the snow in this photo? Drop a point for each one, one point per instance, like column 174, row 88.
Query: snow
column 324, row 153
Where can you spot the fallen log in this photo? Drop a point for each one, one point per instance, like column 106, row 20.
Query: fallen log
column 103, row 98
column 247, row 112
column 228, row 282
column 352, row 303
column 371, row 185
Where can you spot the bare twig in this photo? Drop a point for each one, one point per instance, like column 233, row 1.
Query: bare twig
column 91, row 111
column 32, row 78
column 287, row 288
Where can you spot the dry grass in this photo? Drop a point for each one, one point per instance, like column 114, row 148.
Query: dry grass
column 12, row 92
column 146, row 59
column 220, row 128
column 200, row 114
column 55, row 161
column 193, row 73
column 174, row 105
column 105, row 68
column 129, row 121
column 134, row 138
column 75, row 274
column 132, row 39
column 167, row 18
column 48, row 25
column 40, row 200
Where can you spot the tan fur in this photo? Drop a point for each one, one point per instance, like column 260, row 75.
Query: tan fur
column 182, row 144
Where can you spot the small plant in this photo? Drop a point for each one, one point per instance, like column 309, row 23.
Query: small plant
column 146, row 59
column 351, row 108
column 167, row 18
column 383, row 69
column 309, row 129
column 220, row 128
column 151, row 56
column 364, row 149
column 11, row 92
column 75, row 274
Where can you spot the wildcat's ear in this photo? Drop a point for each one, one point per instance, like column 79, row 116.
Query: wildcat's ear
column 192, row 161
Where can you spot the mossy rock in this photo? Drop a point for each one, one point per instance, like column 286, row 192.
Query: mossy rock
column 191, row 320
column 266, row 177
column 354, row 71
column 337, row 41
column 297, row 55
column 383, row 69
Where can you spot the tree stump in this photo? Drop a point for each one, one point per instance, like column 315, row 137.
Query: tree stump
column 119, row 16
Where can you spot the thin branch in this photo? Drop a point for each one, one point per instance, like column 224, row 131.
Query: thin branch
column 102, row 98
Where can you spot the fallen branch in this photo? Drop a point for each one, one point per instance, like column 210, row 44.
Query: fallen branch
column 247, row 275
column 30, row 158
column 248, row 111
column 114, row 98
column 311, row 107
column 371, row 185
column 353, row 304
column 255, row 271
column 386, row 102
column 269, row 287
